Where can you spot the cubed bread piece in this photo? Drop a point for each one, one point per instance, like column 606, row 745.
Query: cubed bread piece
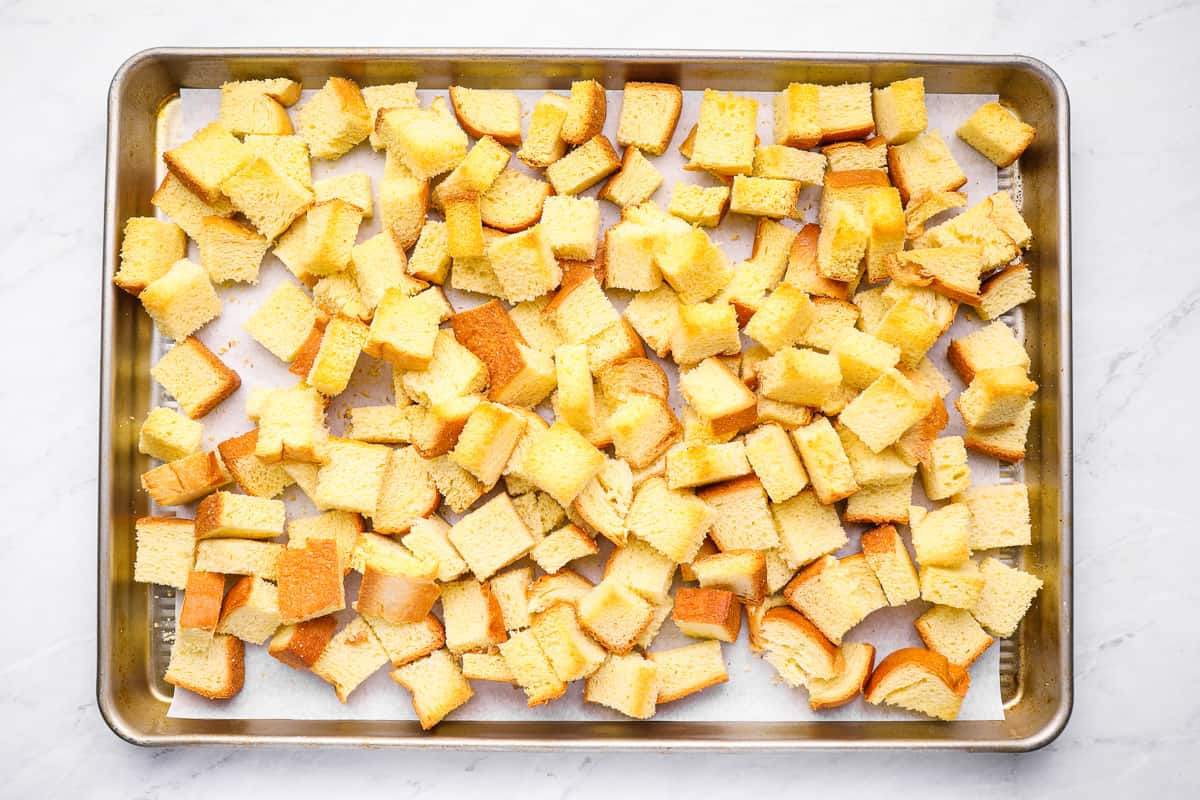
column 185, row 209
column 572, row 226
column 842, row 243
column 149, row 248
column 847, row 684
column 999, row 515
column 204, row 162
column 888, row 558
column 635, row 182
column 404, row 330
column 524, row 264
column 799, row 375
column 998, row 133
column 885, row 410
column 385, row 554
column 953, row 633
column 1004, row 291
column 1006, row 442
column 289, row 153
column 908, row 325
column 408, row 641
column 338, row 355
column 743, row 518
column 836, row 594
column 672, row 522
column 458, row 487
column 351, row 478
column 707, row 614
column 919, row 680
column 291, row 427
column 228, row 515
column 884, row 216
column 310, row 582
column 165, row 549
column 335, row 119
column 430, row 260
column 488, row 113
column 299, row 646
column 1005, row 598
column 946, row 472
column 514, row 201
column 940, row 536
column 472, row 616
column 427, row 141
column 884, row 468
column 683, row 671
column 561, row 547
column 790, row 164
column 491, row 537
column 580, row 309
column 464, row 225
column 924, row 164
column 437, row 685
column 952, row 270
column 585, row 113
column 540, row 512
column 531, row 669
column 340, row 527
column 649, row 114
column 543, row 144
column 351, row 187
column 852, row 156
column 781, row 319
column 572, row 653
column 211, row 666
column 642, row 568
column 927, row 205
column 797, row 119
column 995, row 397
column 511, row 590
column 453, row 372
column 630, row 256
column 807, row 529
column 633, row 375
column 655, row 317
column 177, row 483
column 398, row 593
column 403, row 202
column 428, row 539
column 703, row 330
column 250, row 610
column 900, row 110
column 719, row 396
column 382, row 424
column 844, row 111
column 181, row 301
column 725, row 134
column 743, row 572
column 560, row 461
column 565, row 586
column 487, row 440
column 584, row 167
column 990, row 347
column 764, row 197
column 378, row 264
column 958, row 586
column 337, row 295
column 604, row 502
column 268, row 196
column 699, row 205
column 239, row 557
column 168, row 435
column 701, row 463
column 797, row 647
column 804, row 272
column 825, row 461
column 880, row 504
column 625, row 683
column 284, row 321
column 694, row 265
column 352, row 655
column 775, row 462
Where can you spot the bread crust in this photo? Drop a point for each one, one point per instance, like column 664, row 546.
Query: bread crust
column 202, row 600
column 480, row 130
column 307, row 354
column 955, row 678
column 853, row 689
column 803, row 627
column 489, row 332
column 715, row 609
column 518, row 223
column 310, row 581
column 185, row 480
column 303, row 644
column 582, row 124
column 1002, row 453
column 802, row 266
column 396, row 597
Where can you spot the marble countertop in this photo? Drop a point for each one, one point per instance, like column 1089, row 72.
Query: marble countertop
column 1130, row 70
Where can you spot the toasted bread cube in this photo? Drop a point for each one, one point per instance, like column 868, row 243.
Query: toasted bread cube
column 310, row 582
column 491, row 537
column 514, row 201
column 572, row 653
column 953, row 633
column 408, row 641
column 565, row 586
column 703, row 330
column 453, row 373
column 781, row 162
column 257, row 107
column 405, row 329
column 437, row 685
column 427, row 142
column 724, row 142
column 378, row 264
column 335, row 119
column 228, row 515
column 1005, row 598
column 289, row 154
column 683, row 671
column 858, row 659
column 924, row 164
column 340, row 527
column 352, row 655
column 643, row 569
column 764, row 197
column 211, row 666
column 195, row 377
column 796, row 116
column 531, row 668
column 695, row 266
column 743, row 572
column 572, row 226
column 886, row 231
column 543, row 143
column 291, row 427
column 614, row 615
column 430, row 259
column 269, row 197
column 926, row 205
column 884, row 468
column 900, row 110
column 407, row 493
column 825, row 460
column 429, row 539
column 392, row 95
column 337, row 295
column 1004, row 291
column 181, row 301
column 403, row 203
column 519, row 375
column 168, row 435
column 994, row 224
column 797, row 648
column 842, row 243
column 351, row 478
column 836, row 594
column 699, row 205
column 580, row 309
column 990, row 347
column 707, row 614
column 230, row 250
column 958, row 586
column 774, row 461
column 700, row 464
column 487, row 441
column 655, row 317
column 204, row 162
column 459, row 487
column 629, row 253
column 584, row 167
column 995, row 397
column 781, row 319
column 649, row 114
column 399, row 596
column 625, row 683
column 885, row 410
column 862, row 358
column 719, row 396
column 353, row 188
column 464, row 225
column 998, row 133
column 946, row 473
column 186, row 210
column 673, row 522
column 149, row 248
column 337, row 356
column 803, row 269
column 888, row 558
column 202, row 601
column 952, row 271
column 999, row 515
column 919, row 680
column 511, row 590
column 743, row 518
column 585, row 113
column 488, row 113
column 604, row 503
column 250, row 610
column 524, row 264
column 472, row 617
column 576, row 401
column 475, row 173
column 165, row 547
column 635, row 183
column 239, row 557
column 795, row 375
column 180, row 482
column 880, row 504
column 561, row 462
column 852, row 156
column 910, row 327
column 844, row 112
column 384, row 554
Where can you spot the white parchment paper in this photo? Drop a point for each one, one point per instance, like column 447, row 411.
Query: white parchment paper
column 753, row 693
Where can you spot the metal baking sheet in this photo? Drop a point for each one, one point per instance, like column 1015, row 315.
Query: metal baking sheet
column 129, row 342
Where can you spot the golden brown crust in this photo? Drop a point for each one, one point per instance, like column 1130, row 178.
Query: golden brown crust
column 999, row 277
column 958, row 360
column 238, row 596
column 715, row 608
column 477, row 131
column 811, row 572
column 520, row 223
column 935, row 664
column 208, row 515
column 185, row 480
column 910, row 272
column 591, row 121
column 802, row 267
column 235, row 652
column 496, row 631
column 995, row 451
column 853, row 689
column 803, row 627
column 307, row 354
column 306, row 642
column 310, row 581
column 842, row 134
column 879, row 541
column 229, row 381
column 202, row 600
column 919, row 438
column 672, row 433
column 395, row 597
column 489, row 332
column 927, row 636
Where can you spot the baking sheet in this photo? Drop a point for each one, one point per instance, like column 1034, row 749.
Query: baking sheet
column 754, row 692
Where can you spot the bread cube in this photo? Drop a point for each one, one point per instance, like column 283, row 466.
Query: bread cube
column 880, row 504
column 946, row 472
column 707, row 614
column 699, row 464
column 614, row 615
column 181, row 301
column 292, row 427
column 202, row 601
column 884, row 216
column 572, row 226
column 825, row 461
column 625, row 683
column 952, row 271
column 437, row 685
column 842, row 243
column 560, row 461
column 796, row 116
column 518, row 374
column 165, row 547
column 836, row 594
column 576, row 402
column 352, row 655
column 510, row 590
column 796, row 648
column 764, row 197
column 919, row 680
column 725, row 134
column 565, row 586
column 404, row 329
column 781, row 162
column 885, row 410
column 230, row 250
column 403, row 203
column 491, row 537
column 924, row 164
column 795, row 375
column 288, row 153
column 580, row 309
column 531, row 669
column 487, row 440
column 300, row 645
column 888, row 558
column 583, row 167
column 958, row 586
column 649, row 114
column 464, row 225
column 195, row 377
column 703, row 330
column 699, row 205
column 673, row 522
column 472, row 616
column 695, row 266
column 269, row 197
column 774, row 461
column 488, row 113
column 310, row 582
column 643, row 569
column 149, row 248
column 683, row 671
column 1005, row 597
column 655, row 316
column 604, row 503
column 743, row 518
column 384, row 554
column 258, row 106
column 340, row 527
column 999, row 515
column 990, row 347
column 854, row 156
column 453, row 373
column 543, row 143
column 239, row 557
column 940, row 537
column 1004, row 291
column 585, row 113
column 871, row 469
column 392, row 95
column 863, row 358
column 635, row 182
column 900, row 110
column 226, row 515
column 995, row 397
column 998, row 133
column 335, row 119
column 204, row 162
column 514, row 201
column 351, row 478
column 524, row 264
column 844, row 112
column 561, row 547
column 407, row 493
column 994, row 224
column 458, row 487
column 250, row 610
column 781, row 319
column 426, row 141
column 337, row 356
column 168, row 435
column 743, row 572
column 572, row 653
column 211, row 666
column 953, row 633
column 719, row 397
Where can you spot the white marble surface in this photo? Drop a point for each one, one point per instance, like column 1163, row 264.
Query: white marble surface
column 1130, row 69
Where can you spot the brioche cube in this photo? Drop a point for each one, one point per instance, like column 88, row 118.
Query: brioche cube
column 881, row 503
column 655, row 316
column 796, row 375
column 429, row 539
column 250, row 610
column 338, row 295
column 836, row 594
column 464, row 225
column 195, row 377
column 999, row 515
column 335, row 119
column 796, row 116
column 491, row 537
column 699, row 205
column 583, row 167
column 543, row 144
column 206, row 160
column 310, row 582
column 633, row 375
column 404, row 329
column 764, row 197
column 477, row 172
column 863, row 358
column 642, row 427
column 910, row 327
column 565, row 586
column 958, row 586
column 858, row 659
column 888, row 558
column 291, row 427
column 699, row 464
column 149, row 248
column 230, row 250
column 842, row 243
column 407, row 493
column 885, row 410
column 630, row 257
column 165, row 548
column 289, row 154
column 403, row 203
column 378, row 264
column 604, row 503
column 340, row 527
column 900, row 110
column 572, row 653
column 673, row 522
column 953, row 633
column 703, row 330
column 472, row 617
column 168, row 435
column 928, row 205
column 572, row 226
column 919, row 680
column 940, row 537
column 625, row 683
column 458, row 487
column 995, row 397
column 407, row 642
column 1004, row 291
column 719, row 396
column 285, row 320
column 531, row 669
column 924, row 164
column 351, row 478
column 952, row 271
column 635, row 182
column 742, row 518
column 781, row 319
column 353, row 188
column 683, row 671
column 871, row 469
column 994, row 224
column 437, row 430
column 202, row 601
column 844, row 112
column 884, row 216
column 488, row 113
column 774, row 461
column 561, row 462
column 991, row 347
column 454, row 372
column 228, row 515
column 797, row 648
column 524, row 264
column 580, row 308
column 269, row 197
column 695, row 266
column 707, row 614
column 642, row 568
column 184, row 480
column 946, row 472
column 575, row 401
column 854, row 156
column 426, row 141
column 743, row 572
column 724, row 142
column 239, row 557
column 392, row 95
column 487, row 440
column 1005, row 598
column 998, row 133
column 352, row 655
column 781, row 162
column 518, row 374
column 511, row 590
column 437, row 685
column 514, row 201
column 649, row 113
column 257, row 107
column 614, row 615
column 825, row 460
column 181, row 301
column 430, row 260
column 585, row 112
column 384, row 554
column 210, row 666
column 337, row 356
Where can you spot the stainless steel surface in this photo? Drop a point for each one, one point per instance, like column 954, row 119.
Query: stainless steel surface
column 1037, row 663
